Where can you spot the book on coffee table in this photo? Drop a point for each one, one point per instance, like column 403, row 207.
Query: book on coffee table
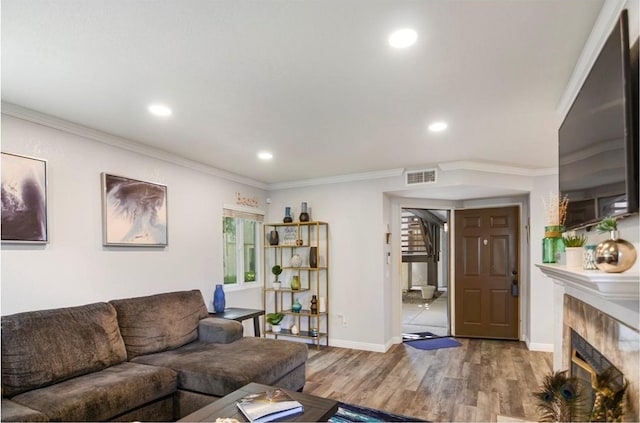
column 268, row 405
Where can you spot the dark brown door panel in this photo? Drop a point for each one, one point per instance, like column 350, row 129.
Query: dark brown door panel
column 486, row 266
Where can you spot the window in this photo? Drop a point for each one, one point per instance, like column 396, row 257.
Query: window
column 241, row 238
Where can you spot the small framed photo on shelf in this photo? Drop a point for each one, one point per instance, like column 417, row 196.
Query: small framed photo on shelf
column 289, row 236
column 24, row 199
column 134, row 212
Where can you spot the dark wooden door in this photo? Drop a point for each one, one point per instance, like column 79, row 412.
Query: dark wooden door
column 486, row 264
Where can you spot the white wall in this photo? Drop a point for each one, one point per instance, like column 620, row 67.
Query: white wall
column 74, row 268
column 355, row 215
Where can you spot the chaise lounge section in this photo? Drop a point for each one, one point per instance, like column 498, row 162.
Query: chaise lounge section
column 154, row 358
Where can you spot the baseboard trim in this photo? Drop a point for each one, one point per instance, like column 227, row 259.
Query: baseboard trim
column 358, row 345
column 537, row 346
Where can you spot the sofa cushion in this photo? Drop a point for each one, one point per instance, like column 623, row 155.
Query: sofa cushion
column 40, row 348
column 159, row 322
column 101, row 395
column 218, row 369
column 219, row 331
column 14, row 412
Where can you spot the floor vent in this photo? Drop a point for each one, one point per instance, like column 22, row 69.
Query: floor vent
column 417, row 177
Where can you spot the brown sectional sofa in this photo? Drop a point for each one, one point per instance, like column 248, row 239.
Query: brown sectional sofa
column 153, row 358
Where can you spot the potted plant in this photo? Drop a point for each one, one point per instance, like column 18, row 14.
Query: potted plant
column 276, row 270
column 274, row 320
column 608, row 224
column 574, row 249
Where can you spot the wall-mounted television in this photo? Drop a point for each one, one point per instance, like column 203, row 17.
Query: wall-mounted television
column 598, row 139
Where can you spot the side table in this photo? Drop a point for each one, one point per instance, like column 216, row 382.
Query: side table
column 240, row 314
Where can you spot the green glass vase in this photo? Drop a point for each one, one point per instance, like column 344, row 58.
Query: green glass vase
column 295, row 283
column 552, row 243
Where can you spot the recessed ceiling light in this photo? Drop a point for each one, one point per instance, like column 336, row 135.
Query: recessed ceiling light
column 265, row 155
column 438, row 126
column 403, row 38
column 159, row 110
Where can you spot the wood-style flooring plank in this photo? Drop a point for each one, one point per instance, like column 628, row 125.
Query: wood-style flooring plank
column 482, row 380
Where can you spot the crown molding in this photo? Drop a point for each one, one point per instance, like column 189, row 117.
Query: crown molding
column 496, row 168
column 352, row 177
column 23, row 113
column 604, row 23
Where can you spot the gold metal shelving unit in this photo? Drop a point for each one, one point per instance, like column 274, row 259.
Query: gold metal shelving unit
column 298, row 238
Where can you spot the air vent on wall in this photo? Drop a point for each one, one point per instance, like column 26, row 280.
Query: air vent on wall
column 417, row 177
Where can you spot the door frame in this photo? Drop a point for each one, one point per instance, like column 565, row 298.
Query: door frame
column 395, row 252
column 395, row 262
column 447, row 264
column 523, row 261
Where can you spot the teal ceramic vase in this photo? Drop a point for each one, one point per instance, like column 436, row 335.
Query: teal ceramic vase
column 296, row 307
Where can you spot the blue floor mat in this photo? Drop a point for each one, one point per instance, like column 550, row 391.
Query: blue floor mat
column 433, row 344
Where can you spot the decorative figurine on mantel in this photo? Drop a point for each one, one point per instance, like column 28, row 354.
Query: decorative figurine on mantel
column 614, row 255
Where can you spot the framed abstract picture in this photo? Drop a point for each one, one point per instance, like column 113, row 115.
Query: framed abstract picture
column 134, row 213
column 24, row 199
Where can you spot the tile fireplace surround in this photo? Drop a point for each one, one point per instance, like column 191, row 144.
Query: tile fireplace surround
column 603, row 308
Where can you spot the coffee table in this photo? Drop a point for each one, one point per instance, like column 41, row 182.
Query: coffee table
column 316, row 409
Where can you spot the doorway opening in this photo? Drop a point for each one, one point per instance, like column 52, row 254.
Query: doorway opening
column 425, row 273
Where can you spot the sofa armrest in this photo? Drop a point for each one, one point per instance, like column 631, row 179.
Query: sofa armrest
column 219, row 331
column 14, row 412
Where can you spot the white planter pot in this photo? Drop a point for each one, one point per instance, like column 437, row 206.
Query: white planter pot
column 276, row 328
column 277, row 285
column 574, row 257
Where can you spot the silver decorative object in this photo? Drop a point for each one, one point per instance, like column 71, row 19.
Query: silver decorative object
column 615, row 255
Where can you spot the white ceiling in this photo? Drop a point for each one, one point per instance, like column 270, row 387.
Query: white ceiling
column 314, row 82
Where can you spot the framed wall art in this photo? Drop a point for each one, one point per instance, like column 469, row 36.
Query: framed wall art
column 24, row 199
column 134, row 213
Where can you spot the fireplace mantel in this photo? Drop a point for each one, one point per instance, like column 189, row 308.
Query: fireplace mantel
column 616, row 294
column 609, row 286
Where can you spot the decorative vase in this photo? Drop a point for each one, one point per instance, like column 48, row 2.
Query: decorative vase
column 295, row 283
column 314, row 304
column 589, row 258
column 296, row 260
column 274, row 238
column 615, row 255
column 218, row 299
column 313, row 257
column 552, row 243
column 296, row 307
column 304, row 216
column 574, row 257
column 287, row 215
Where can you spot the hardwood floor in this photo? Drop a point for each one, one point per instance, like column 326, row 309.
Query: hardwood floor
column 482, row 380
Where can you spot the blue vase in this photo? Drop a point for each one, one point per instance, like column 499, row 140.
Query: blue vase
column 218, row 299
